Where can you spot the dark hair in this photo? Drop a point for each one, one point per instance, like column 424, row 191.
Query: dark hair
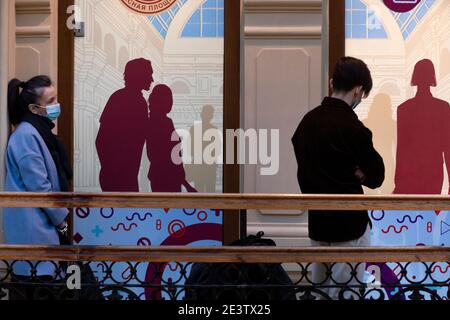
column 350, row 73
column 19, row 100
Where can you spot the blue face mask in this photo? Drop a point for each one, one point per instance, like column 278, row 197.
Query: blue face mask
column 356, row 103
column 53, row 111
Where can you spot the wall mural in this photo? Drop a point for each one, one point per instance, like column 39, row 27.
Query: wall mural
column 406, row 45
column 140, row 77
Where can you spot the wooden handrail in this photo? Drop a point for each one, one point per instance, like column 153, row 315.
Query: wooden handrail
column 225, row 201
column 226, row 254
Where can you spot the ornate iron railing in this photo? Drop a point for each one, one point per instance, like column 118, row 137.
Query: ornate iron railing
column 222, row 273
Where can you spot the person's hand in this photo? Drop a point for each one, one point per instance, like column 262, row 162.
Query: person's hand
column 62, row 225
column 63, row 228
column 360, row 175
column 189, row 188
column 63, row 233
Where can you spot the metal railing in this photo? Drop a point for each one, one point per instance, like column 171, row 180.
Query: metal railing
column 227, row 272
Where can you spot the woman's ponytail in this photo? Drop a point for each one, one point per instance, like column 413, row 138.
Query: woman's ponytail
column 13, row 101
column 19, row 100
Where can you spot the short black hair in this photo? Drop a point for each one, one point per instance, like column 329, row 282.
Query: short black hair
column 350, row 73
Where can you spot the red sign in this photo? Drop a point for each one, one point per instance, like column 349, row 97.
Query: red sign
column 401, row 5
column 149, row 7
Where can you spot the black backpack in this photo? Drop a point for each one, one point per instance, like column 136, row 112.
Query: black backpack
column 239, row 281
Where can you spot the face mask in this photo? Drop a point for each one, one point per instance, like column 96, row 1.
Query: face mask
column 53, row 111
column 356, row 103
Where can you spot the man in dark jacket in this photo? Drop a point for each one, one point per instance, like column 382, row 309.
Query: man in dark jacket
column 335, row 155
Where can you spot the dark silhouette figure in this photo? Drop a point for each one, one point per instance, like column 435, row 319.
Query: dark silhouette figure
column 123, row 124
column 423, row 137
column 166, row 172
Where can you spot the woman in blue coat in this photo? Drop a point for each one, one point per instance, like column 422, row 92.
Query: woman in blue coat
column 36, row 161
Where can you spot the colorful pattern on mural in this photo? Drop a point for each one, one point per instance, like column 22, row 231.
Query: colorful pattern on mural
column 150, row 227
column 412, row 228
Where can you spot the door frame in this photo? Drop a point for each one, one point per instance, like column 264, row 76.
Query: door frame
column 231, row 94
column 66, row 81
column 336, row 33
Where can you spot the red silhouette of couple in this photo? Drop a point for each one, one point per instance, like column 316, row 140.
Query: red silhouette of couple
column 423, row 129
column 126, row 126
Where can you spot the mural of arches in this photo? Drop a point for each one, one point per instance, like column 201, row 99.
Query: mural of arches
column 124, row 57
column 110, row 49
column 98, row 35
column 445, row 63
column 390, row 88
column 408, row 21
column 362, row 21
column 174, row 41
column 370, row 19
column 180, row 87
column 206, row 21
column 379, row 15
column 163, row 21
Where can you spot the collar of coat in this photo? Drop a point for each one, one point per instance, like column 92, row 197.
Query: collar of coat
column 337, row 103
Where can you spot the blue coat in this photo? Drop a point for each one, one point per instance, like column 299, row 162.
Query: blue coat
column 30, row 168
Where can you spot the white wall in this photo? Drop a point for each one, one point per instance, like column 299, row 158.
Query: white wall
column 283, row 81
column 284, row 76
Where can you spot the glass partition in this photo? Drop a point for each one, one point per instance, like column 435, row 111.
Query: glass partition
column 148, row 85
column 407, row 47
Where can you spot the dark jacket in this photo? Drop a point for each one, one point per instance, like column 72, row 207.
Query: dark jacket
column 330, row 144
